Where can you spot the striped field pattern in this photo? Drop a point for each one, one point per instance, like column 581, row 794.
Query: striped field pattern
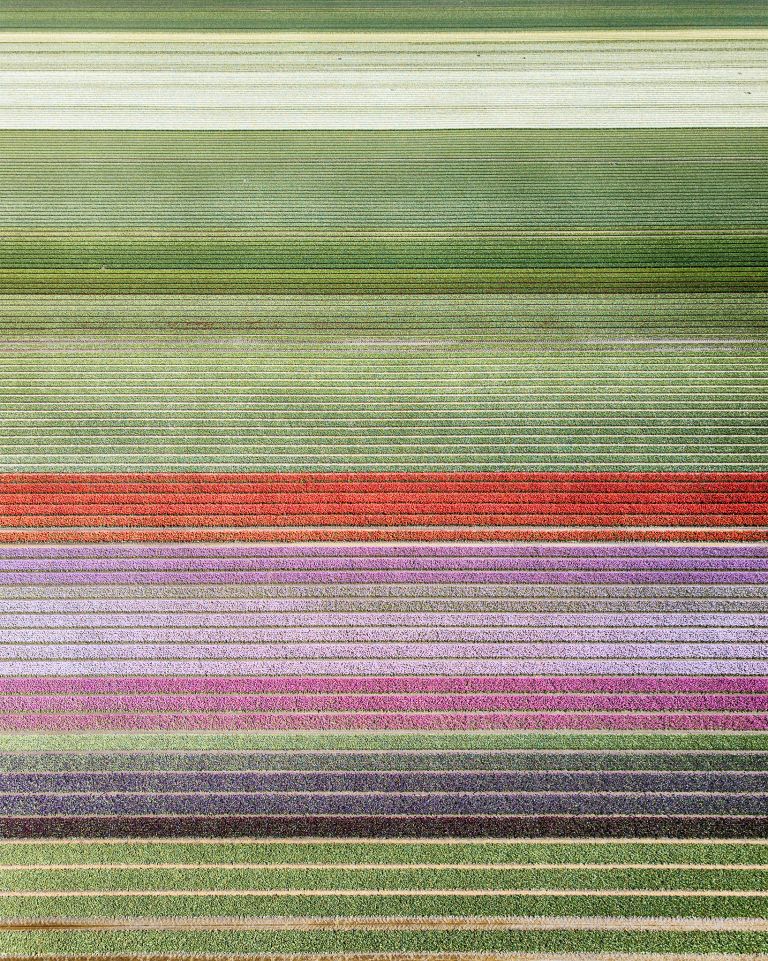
column 384, row 480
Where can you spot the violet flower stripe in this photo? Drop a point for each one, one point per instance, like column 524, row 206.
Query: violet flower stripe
column 356, row 721
column 621, row 575
column 385, row 684
column 331, row 620
column 360, row 667
column 430, row 550
column 330, row 637
column 370, row 803
column 382, row 702
column 634, row 596
column 304, row 564
column 326, row 637
column 390, row 782
column 395, row 651
column 280, row 611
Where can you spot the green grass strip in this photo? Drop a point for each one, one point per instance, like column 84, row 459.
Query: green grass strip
column 358, row 181
column 334, row 741
column 382, row 852
column 434, row 146
column 301, row 15
column 380, row 280
column 61, row 944
column 362, row 879
column 375, row 905
column 303, row 320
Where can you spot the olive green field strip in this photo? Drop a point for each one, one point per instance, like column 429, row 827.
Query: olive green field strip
column 357, row 80
column 26, row 752
column 668, row 878
column 306, row 15
column 352, row 401
column 194, row 895
column 421, row 319
column 383, row 212
column 451, row 342
column 77, row 944
column 460, row 955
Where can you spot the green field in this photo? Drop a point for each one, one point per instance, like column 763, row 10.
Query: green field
column 479, row 300
column 318, row 15
column 233, row 944
column 614, row 922
column 360, row 853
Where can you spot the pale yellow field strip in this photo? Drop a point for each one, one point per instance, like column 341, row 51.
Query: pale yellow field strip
column 744, row 34
column 382, row 81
